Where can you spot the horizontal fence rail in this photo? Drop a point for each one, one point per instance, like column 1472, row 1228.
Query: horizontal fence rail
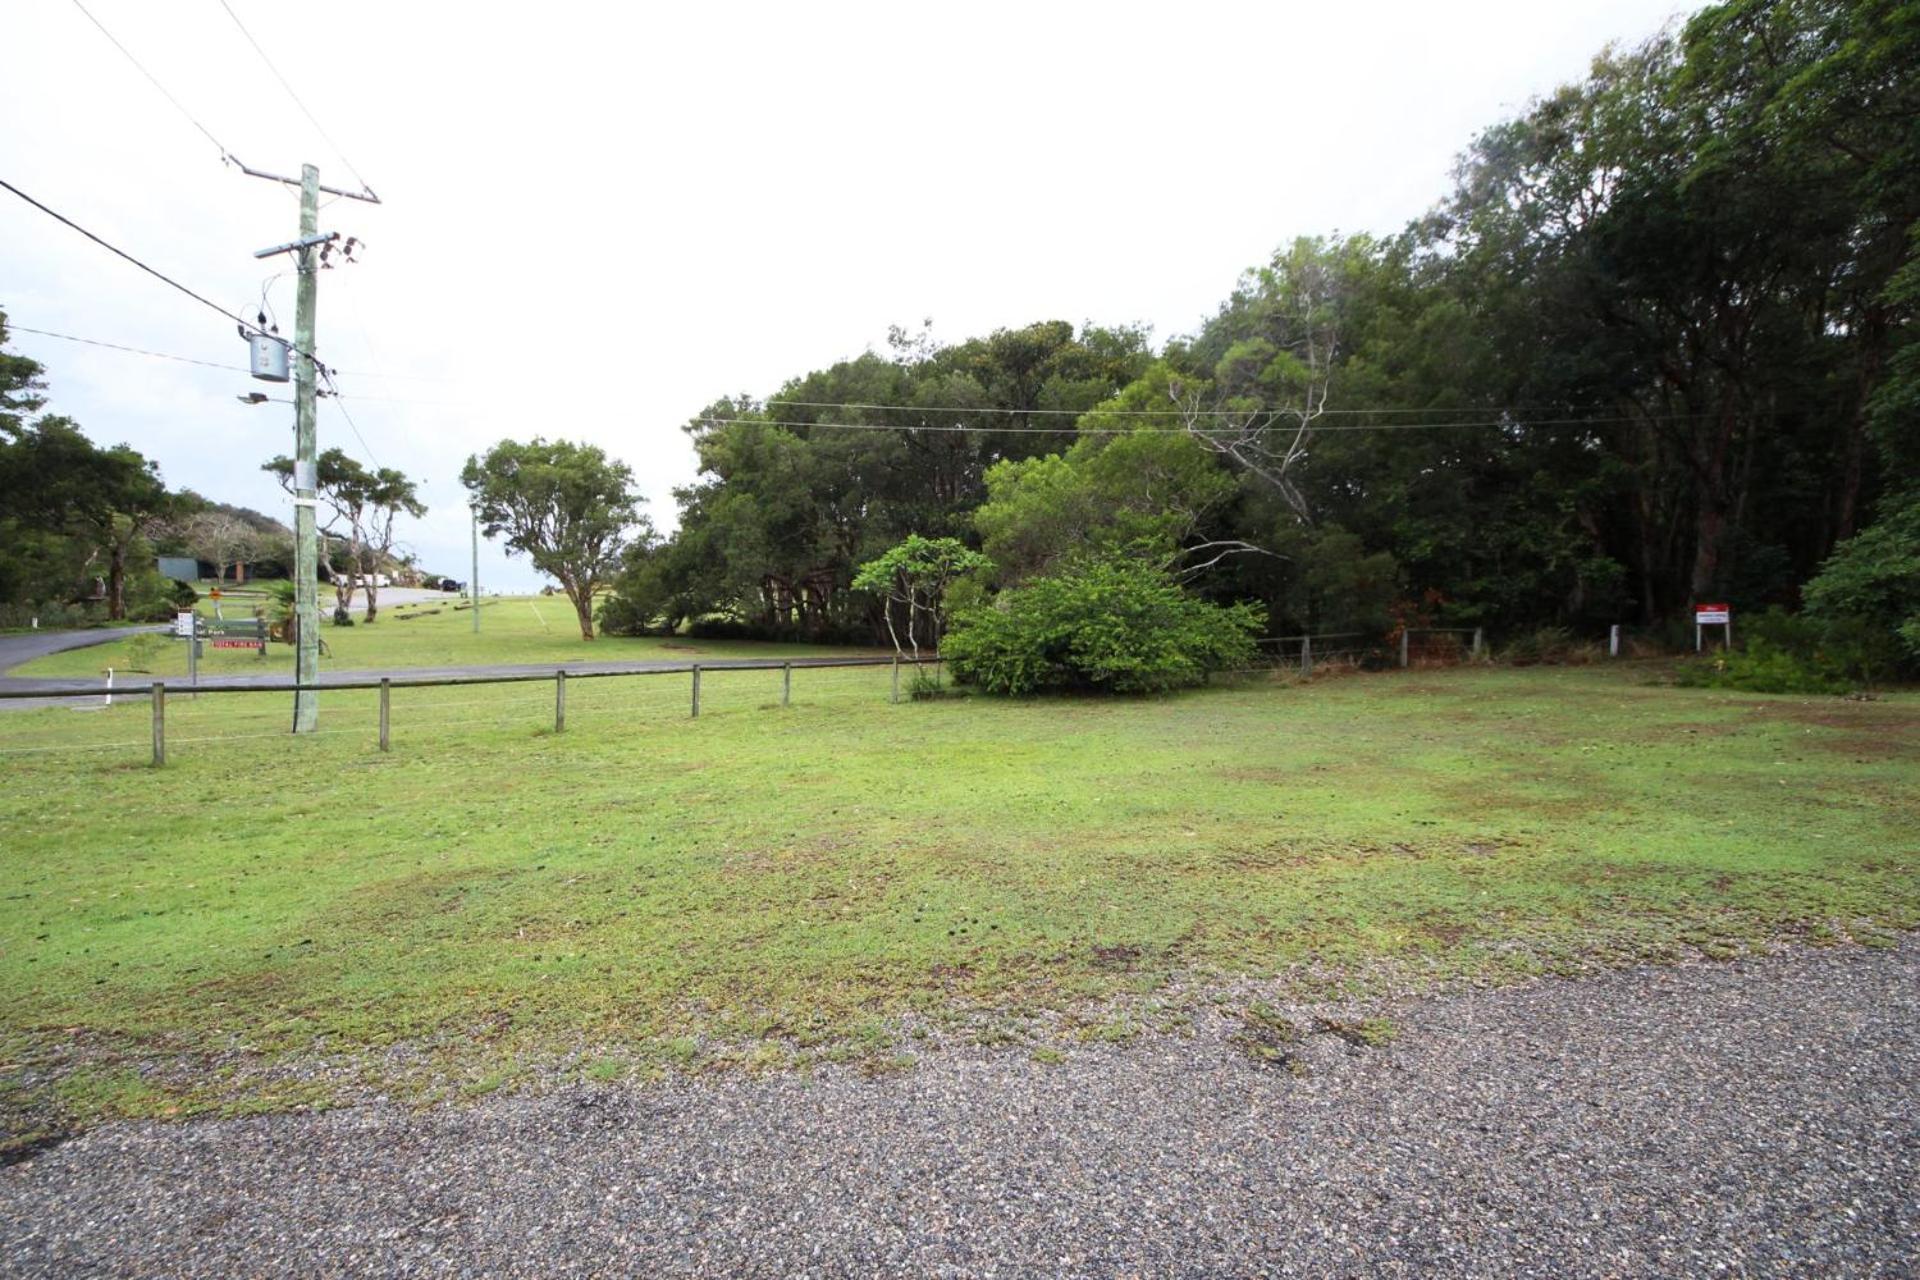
column 558, row 677
column 434, row 682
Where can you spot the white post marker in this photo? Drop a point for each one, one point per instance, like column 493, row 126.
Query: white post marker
column 1712, row 615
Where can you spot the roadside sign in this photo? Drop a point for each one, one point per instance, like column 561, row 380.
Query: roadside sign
column 183, row 624
column 235, row 642
column 1712, row 615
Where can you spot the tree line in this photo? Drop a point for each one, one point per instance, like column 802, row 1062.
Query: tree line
column 81, row 525
column 1653, row 348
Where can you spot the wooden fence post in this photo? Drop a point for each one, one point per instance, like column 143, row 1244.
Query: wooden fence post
column 696, row 690
column 559, row 702
column 1306, row 655
column 1404, row 633
column 159, row 724
column 786, row 684
column 1479, row 642
column 386, row 708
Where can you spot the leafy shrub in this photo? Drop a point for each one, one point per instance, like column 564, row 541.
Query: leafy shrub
column 1112, row 624
column 1797, row 653
column 1761, row 667
column 1873, row 578
column 53, row 615
column 927, row 685
column 621, row 615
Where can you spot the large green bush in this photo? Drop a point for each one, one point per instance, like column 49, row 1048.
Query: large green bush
column 1798, row 653
column 1112, row 624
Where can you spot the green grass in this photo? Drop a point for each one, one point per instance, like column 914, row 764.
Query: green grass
column 771, row 888
column 512, row 630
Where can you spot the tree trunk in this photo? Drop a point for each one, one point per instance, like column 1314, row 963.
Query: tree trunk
column 1710, row 515
column 373, row 597
column 342, row 599
column 117, row 583
column 582, row 598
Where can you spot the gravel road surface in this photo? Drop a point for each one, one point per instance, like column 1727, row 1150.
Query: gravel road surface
column 1756, row 1118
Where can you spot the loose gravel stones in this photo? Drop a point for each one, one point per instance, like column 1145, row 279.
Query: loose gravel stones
column 1756, row 1118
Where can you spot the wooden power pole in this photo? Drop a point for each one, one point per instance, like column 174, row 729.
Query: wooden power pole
column 307, row 251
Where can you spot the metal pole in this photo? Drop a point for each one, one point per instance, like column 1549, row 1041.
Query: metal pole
column 559, row 702
column 1306, row 655
column 475, row 592
column 1404, row 633
column 696, row 690
column 1479, row 642
column 159, row 724
column 386, row 703
column 786, row 685
column 193, row 654
column 1613, row 641
column 306, row 555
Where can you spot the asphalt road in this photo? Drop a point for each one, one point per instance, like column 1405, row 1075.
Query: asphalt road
column 1758, row 1118
column 25, row 646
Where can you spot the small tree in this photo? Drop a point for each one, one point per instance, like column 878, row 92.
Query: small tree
column 363, row 505
column 224, row 539
column 916, row 574
column 567, row 507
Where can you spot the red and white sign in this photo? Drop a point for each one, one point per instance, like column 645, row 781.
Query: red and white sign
column 236, row 642
column 1712, row 613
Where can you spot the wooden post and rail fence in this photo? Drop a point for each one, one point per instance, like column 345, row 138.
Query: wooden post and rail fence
column 385, row 685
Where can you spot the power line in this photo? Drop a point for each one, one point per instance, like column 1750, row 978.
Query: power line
column 325, row 136
column 325, row 372
column 158, row 275
column 155, row 82
column 1162, row 413
column 959, row 428
column 115, row 346
column 351, row 424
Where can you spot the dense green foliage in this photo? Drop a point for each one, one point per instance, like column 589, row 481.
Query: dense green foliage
column 1111, row 623
column 1655, row 347
column 76, row 520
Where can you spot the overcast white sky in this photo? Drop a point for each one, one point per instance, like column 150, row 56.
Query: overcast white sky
column 599, row 217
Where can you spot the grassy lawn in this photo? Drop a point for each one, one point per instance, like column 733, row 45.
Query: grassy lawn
column 512, row 629
column 776, row 887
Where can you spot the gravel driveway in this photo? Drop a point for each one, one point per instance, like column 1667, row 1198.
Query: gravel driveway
column 1756, row 1118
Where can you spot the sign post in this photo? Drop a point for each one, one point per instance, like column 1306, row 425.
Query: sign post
column 1712, row 615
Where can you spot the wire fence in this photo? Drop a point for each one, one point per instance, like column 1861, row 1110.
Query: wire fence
column 157, row 722
column 1408, row 647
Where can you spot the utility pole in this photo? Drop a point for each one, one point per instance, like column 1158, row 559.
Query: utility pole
column 306, row 464
column 308, row 256
column 475, row 512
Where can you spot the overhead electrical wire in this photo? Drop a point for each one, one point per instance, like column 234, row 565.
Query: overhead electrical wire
column 247, row 325
column 338, row 395
column 155, row 82
column 1071, row 430
column 333, row 390
column 311, row 119
column 1160, row 413
column 115, row 346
